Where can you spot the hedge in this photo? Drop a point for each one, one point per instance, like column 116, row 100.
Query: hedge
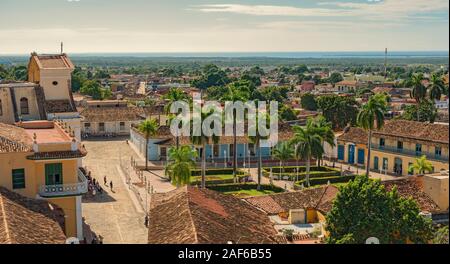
column 198, row 172
column 215, row 179
column 325, row 180
column 326, row 172
column 291, row 169
column 246, row 186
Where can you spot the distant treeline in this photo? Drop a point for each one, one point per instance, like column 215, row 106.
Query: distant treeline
column 198, row 62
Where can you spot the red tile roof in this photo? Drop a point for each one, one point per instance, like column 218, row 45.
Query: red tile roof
column 319, row 198
column 29, row 221
column 354, row 135
column 415, row 130
column 189, row 215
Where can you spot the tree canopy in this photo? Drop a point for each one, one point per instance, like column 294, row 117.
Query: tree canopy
column 364, row 209
column 338, row 110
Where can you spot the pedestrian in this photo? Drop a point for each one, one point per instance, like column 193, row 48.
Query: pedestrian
column 105, row 181
column 146, row 220
column 111, row 185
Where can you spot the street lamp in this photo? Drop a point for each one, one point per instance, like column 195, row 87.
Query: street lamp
column 225, row 158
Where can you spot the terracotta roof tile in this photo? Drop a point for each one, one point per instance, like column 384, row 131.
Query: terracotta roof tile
column 14, row 139
column 59, row 106
column 319, row 198
column 413, row 187
column 190, row 215
column 415, row 130
column 355, row 135
column 29, row 221
column 112, row 114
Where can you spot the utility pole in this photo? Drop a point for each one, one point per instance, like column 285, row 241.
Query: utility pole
column 62, row 47
column 385, row 63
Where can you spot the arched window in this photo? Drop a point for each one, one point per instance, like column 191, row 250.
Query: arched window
column 1, row 109
column 24, row 106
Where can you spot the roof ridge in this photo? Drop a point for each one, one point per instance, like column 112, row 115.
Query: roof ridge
column 5, row 222
column 190, row 214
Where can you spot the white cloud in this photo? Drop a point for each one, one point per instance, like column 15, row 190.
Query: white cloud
column 373, row 9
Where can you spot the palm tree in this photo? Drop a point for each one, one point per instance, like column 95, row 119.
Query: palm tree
column 233, row 94
column 371, row 117
column 180, row 165
column 174, row 95
column 419, row 91
column 283, row 152
column 149, row 128
column 256, row 140
column 421, row 165
column 324, row 129
column 436, row 87
column 309, row 144
column 199, row 138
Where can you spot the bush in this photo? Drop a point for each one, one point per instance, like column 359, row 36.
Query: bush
column 315, row 172
column 243, row 186
column 198, row 172
column 324, row 180
column 216, row 179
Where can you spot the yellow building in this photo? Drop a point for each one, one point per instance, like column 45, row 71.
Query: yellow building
column 352, row 146
column 39, row 160
column 399, row 143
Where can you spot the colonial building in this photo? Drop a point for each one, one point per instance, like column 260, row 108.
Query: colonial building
column 109, row 117
column 39, row 159
column 223, row 151
column 46, row 96
column 399, row 143
column 346, row 86
column 352, row 146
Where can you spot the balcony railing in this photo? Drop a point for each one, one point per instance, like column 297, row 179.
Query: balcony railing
column 71, row 189
column 430, row 156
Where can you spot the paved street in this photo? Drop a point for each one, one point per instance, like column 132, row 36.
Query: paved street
column 115, row 215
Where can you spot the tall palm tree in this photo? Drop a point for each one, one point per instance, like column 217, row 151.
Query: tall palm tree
column 174, row 95
column 309, row 144
column 436, row 87
column 201, row 139
column 371, row 117
column 324, row 129
column 419, row 91
column 149, row 128
column 256, row 140
column 421, row 165
column 283, row 152
column 180, row 165
column 233, row 94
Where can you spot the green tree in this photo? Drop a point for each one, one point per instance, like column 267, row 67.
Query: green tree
column 283, row 152
column 256, row 140
column 180, row 165
column 335, row 77
column 234, row 94
column 174, row 95
column 309, row 144
column 308, row 102
column 371, row 117
column 19, row 73
column 198, row 137
column 441, row 236
column 287, row 113
column 426, row 111
column 149, row 128
column 418, row 92
column 324, row 129
column 436, row 87
column 94, row 89
column 340, row 111
column 364, row 209
column 212, row 76
column 421, row 165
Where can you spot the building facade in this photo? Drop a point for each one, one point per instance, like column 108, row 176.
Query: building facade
column 39, row 159
column 399, row 143
column 352, row 146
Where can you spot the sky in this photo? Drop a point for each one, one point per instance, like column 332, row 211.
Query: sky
column 92, row 26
